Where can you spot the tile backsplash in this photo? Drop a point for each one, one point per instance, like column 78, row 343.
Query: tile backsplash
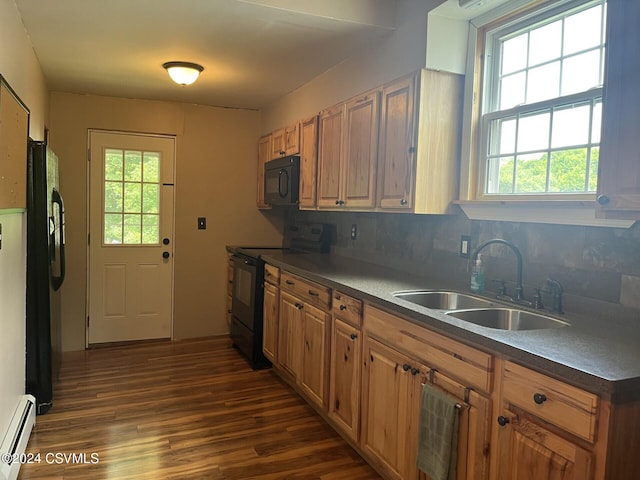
column 599, row 267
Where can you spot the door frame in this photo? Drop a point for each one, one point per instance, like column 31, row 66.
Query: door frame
column 88, row 224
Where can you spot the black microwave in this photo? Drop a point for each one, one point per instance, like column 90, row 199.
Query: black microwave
column 282, row 180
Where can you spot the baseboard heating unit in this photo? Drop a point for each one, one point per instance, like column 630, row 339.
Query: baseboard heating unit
column 17, row 436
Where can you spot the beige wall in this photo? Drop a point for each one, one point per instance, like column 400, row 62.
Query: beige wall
column 19, row 66
column 215, row 178
column 401, row 52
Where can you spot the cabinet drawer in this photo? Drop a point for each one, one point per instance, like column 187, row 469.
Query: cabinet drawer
column 271, row 274
column 565, row 406
column 306, row 290
column 347, row 308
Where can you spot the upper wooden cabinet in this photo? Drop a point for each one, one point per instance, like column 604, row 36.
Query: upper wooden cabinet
column 419, row 150
column 285, row 141
column 308, row 162
column 397, row 145
column 14, row 133
column 264, row 154
column 619, row 165
column 330, row 126
column 348, row 153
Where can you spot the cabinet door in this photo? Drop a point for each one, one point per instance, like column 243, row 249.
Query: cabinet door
column 14, row 133
column 229, row 289
column 270, row 330
column 386, row 407
column 330, row 156
column 314, row 373
column 308, row 162
column 278, row 144
column 290, row 334
column 527, row 451
column 264, row 155
column 344, row 389
column 292, row 139
column 473, row 425
column 396, row 157
column 619, row 164
column 360, row 150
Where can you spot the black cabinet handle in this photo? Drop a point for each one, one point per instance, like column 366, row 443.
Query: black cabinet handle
column 343, row 307
column 298, row 306
column 602, row 199
column 539, row 398
column 414, row 371
column 289, row 282
column 406, row 367
column 502, row 421
column 403, row 202
column 314, row 293
column 353, row 336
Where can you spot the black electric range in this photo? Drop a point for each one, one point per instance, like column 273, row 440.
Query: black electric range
column 246, row 328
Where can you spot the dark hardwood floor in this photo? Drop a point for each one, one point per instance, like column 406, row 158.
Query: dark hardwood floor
column 190, row 409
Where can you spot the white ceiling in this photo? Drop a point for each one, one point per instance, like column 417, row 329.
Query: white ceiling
column 253, row 51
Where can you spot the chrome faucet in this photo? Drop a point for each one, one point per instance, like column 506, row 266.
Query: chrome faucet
column 519, row 288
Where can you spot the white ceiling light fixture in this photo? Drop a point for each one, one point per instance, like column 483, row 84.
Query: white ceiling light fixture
column 183, row 73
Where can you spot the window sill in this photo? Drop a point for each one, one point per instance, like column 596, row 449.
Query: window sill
column 560, row 212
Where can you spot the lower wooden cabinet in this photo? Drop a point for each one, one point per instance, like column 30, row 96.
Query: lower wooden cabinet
column 228, row 313
column 365, row 373
column 290, row 334
column 392, row 393
column 270, row 319
column 528, row 451
column 303, row 342
column 344, row 389
column 314, row 375
column 387, row 386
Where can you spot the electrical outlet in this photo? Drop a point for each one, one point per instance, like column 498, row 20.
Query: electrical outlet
column 465, row 245
column 202, row 223
column 354, row 231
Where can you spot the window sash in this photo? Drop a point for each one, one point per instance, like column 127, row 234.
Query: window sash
column 491, row 88
column 591, row 97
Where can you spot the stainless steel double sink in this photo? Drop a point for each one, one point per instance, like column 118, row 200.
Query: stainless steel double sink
column 480, row 311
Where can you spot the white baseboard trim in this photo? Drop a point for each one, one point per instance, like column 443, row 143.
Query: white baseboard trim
column 16, row 437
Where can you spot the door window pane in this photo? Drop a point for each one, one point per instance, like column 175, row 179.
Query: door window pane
column 131, row 197
column 113, row 164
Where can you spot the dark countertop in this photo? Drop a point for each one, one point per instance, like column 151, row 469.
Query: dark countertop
column 601, row 357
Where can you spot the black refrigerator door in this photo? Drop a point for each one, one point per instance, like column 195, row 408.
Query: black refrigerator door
column 38, row 342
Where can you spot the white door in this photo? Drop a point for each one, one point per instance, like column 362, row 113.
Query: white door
column 130, row 237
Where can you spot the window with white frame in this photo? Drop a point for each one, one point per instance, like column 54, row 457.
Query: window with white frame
column 542, row 102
